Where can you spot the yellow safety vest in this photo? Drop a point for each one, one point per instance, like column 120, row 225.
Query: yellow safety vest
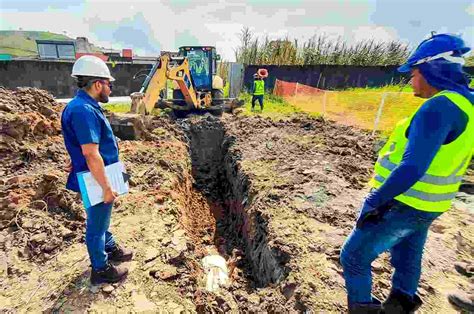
column 258, row 87
column 435, row 191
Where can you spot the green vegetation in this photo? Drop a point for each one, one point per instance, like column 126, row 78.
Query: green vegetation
column 318, row 50
column 22, row 43
column 118, row 107
column 321, row 50
column 274, row 107
column 359, row 106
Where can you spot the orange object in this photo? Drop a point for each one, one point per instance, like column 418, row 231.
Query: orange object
column 283, row 89
column 127, row 53
column 263, row 73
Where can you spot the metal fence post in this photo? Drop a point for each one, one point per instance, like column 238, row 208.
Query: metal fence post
column 379, row 113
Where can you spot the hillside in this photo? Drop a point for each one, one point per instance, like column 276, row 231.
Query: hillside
column 22, row 43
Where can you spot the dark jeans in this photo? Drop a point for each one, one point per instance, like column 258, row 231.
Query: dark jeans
column 260, row 101
column 98, row 238
column 403, row 231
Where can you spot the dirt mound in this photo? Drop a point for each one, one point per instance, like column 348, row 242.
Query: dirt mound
column 37, row 214
column 30, row 126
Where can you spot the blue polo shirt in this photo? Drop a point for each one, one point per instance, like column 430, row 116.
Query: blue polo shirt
column 84, row 122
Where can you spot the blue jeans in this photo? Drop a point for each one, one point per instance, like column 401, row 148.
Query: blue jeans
column 98, row 238
column 403, row 231
column 260, row 101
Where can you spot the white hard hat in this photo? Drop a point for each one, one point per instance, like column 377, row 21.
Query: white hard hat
column 91, row 66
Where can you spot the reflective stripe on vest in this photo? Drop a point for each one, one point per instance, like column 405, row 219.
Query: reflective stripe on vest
column 427, row 197
column 259, row 87
column 427, row 178
column 436, row 189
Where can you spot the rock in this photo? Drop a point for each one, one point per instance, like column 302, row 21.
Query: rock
column 66, row 233
column 149, row 265
column 151, row 254
column 108, row 289
column 384, row 283
column 166, row 241
column 141, row 302
column 94, row 289
column 39, row 238
column 28, row 224
column 50, row 247
column 50, row 177
column 179, row 233
column 6, row 108
column 47, row 112
column 255, row 299
column 14, row 180
column 288, row 290
column 378, row 267
column 164, row 272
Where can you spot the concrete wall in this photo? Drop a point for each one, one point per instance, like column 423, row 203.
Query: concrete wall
column 330, row 76
column 55, row 76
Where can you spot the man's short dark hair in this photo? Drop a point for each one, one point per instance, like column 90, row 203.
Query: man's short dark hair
column 86, row 81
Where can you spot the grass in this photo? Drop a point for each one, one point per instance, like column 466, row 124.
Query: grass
column 274, row 107
column 118, row 107
column 359, row 106
column 22, row 43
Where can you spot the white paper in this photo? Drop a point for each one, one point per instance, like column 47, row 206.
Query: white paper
column 91, row 191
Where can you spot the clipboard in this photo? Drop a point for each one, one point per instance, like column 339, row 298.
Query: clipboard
column 92, row 193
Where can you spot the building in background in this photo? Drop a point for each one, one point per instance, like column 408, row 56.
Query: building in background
column 56, row 49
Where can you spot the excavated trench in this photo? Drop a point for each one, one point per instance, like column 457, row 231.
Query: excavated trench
column 240, row 229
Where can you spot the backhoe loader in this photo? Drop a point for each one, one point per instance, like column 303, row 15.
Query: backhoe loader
column 196, row 83
column 196, row 88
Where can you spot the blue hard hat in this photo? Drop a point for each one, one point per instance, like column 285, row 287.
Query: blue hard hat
column 447, row 46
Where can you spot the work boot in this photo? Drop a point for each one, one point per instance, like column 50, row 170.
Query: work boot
column 401, row 303
column 464, row 269
column 110, row 274
column 366, row 308
column 119, row 254
column 462, row 300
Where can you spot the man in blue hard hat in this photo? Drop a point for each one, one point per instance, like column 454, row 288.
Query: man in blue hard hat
column 417, row 175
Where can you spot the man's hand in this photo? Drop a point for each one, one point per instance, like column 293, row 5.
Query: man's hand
column 68, row 166
column 110, row 196
column 97, row 168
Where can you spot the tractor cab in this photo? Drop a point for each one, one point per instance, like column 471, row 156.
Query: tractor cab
column 202, row 65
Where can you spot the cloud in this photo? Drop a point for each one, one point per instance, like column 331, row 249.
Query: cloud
column 414, row 20
column 151, row 26
column 38, row 6
column 134, row 32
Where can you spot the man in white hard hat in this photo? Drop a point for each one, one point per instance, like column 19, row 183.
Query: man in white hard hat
column 91, row 145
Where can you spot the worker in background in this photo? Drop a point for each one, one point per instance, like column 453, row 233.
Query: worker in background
column 258, row 90
column 91, row 145
column 417, row 175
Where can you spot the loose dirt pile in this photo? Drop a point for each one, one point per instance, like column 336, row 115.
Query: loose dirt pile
column 37, row 215
column 276, row 199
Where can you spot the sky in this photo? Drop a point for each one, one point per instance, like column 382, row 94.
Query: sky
column 151, row 26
